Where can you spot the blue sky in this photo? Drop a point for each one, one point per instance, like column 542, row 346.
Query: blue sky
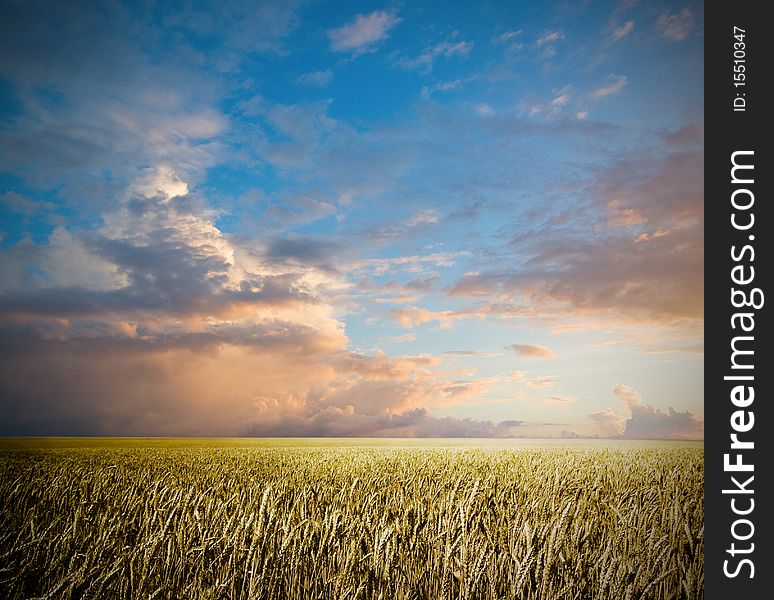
column 315, row 218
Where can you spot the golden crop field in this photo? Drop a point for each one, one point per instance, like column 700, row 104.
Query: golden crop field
column 225, row 520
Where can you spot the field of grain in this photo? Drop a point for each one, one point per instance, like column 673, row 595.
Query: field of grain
column 223, row 520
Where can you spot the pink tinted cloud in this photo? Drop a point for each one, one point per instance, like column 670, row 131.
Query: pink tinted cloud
column 531, row 351
column 644, row 421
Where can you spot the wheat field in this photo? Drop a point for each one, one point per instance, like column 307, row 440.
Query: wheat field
column 303, row 521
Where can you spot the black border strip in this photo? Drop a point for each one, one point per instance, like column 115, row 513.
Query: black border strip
column 728, row 130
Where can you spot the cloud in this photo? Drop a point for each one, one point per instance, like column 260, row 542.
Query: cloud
column 628, row 396
column 648, row 422
column 413, row 317
column 161, row 181
column 362, row 34
column 233, row 28
column 108, row 107
column 560, row 400
column 622, row 31
column 414, row 423
column 411, row 226
column 551, row 109
column 449, row 49
column 531, row 351
column 225, row 340
column 286, row 211
column 316, row 78
column 402, row 339
column 424, row 62
column 510, row 40
column 549, row 37
column 414, row 264
column 305, row 250
column 18, row 203
column 485, row 110
column 446, row 86
column 443, row 86
column 541, row 382
column 395, row 291
column 548, row 42
column 617, row 83
column 281, row 379
column 634, row 252
column 609, row 424
column 325, row 156
column 688, row 136
column 422, row 283
column 643, row 421
column 506, row 37
column 475, row 353
column 149, row 257
column 108, row 104
column 150, row 264
column 624, row 216
column 676, row 26
column 424, row 217
column 228, row 390
column 179, row 305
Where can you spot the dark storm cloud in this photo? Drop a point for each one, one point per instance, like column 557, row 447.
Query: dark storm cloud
column 103, row 338
column 170, row 293
column 229, row 390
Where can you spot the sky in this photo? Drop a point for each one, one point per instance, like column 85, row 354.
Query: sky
column 307, row 218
